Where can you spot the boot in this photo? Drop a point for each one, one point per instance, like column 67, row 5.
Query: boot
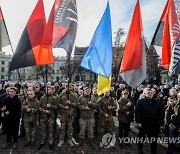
column 92, row 143
column 71, row 143
column 41, row 146
column 81, row 141
column 140, row 151
column 14, row 146
column 101, row 145
column 32, row 144
column 61, row 142
column 51, row 147
column 28, row 143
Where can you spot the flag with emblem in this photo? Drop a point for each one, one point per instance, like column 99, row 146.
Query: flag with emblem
column 61, row 28
column 167, row 34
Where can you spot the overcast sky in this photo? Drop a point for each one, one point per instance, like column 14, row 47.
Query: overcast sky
column 17, row 13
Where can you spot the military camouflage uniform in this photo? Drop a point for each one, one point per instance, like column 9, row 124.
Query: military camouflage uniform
column 23, row 98
column 47, row 119
column 106, row 122
column 96, row 114
column 66, row 115
column 30, row 118
column 86, row 116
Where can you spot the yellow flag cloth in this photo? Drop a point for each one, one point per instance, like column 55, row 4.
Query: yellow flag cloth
column 104, row 84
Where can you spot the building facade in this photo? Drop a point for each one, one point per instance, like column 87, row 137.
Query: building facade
column 152, row 67
column 55, row 72
column 78, row 72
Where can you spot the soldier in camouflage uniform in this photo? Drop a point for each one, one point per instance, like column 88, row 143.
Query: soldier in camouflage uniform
column 30, row 108
column 66, row 107
column 56, row 114
column 48, row 107
column 107, row 105
column 87, row 108
column 23, row 96
column 95, row 98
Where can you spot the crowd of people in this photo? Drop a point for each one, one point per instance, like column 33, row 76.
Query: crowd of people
column 79, row 110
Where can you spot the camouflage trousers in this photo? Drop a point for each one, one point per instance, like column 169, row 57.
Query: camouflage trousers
column 106, row 125
column 30, row 131
column 66, row 119
column 47, row 130
column 89, row 124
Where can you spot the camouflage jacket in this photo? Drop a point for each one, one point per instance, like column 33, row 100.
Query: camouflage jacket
column 83, row 102
column 103, row 104
column 62, row 103
column 23, row 97
column 95, row 100
column 123, row 108
column 45, row 99
column 177, row 114
column 172, row 115
column 31, row 116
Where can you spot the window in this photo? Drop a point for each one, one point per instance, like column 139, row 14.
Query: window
column 53, row 71
column 2, row 77
column 83, row 77
column 2, row 69
column 2, row 62
column 90, row 77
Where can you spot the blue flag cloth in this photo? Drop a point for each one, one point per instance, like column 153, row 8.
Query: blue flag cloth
column 98, row 57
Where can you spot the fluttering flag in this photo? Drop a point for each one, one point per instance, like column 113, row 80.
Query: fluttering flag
column 4, row 38
column 104, row 84
column 167, row 33
column 29, row 51
column 98, row 57
column 174, row 68
column 61, row 28
column 133, row 65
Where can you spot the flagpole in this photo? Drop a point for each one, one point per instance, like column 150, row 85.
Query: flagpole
column 10, row 43
column 19, row 131
column 68, row 72
column 46, row 89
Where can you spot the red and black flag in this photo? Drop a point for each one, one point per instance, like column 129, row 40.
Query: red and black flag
column 4, row 38
column 61, row 28
column 29, row 51
column 167, row 32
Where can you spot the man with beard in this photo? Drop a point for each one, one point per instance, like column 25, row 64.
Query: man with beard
column 149, row 118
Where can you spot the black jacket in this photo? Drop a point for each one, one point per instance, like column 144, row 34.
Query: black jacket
column 150, row 114
column 13, row 105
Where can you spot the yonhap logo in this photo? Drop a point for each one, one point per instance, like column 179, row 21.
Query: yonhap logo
column 109, row 140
